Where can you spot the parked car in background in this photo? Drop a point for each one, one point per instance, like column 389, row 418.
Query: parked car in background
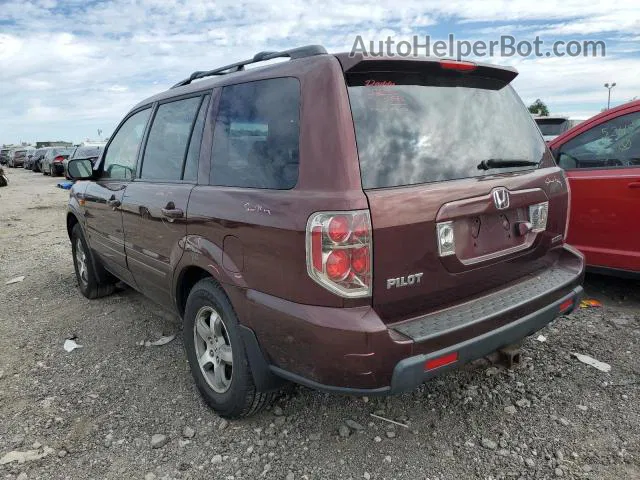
column 601, row 158
column 90, row 152
column 19, row 156
column 10, row 157
column 551, row 127
column 315, row 238
column 52, row 162
column 36, row 160
column 4, row 155
column 7, row 155
column 28, row 161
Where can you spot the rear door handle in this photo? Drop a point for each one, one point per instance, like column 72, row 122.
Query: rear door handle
column 114, row 203
column 634, row 185
column 172, row 212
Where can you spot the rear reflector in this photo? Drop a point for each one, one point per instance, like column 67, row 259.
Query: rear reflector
column 459, row 66
column 438, row 362
column 566, row 305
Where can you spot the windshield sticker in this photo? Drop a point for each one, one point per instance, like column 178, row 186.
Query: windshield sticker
column 379, row 83
column 382, row 97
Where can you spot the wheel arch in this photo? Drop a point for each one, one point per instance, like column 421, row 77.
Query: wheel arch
column 263, row 378
column 202, row 258
column 185, row 281
column 72, row 221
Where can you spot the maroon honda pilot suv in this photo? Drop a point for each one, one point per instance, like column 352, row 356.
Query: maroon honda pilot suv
column 357, row 225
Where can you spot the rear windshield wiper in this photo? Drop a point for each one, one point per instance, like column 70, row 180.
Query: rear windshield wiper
column 504, row 163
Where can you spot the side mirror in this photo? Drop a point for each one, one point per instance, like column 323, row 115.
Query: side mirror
column 81, row 169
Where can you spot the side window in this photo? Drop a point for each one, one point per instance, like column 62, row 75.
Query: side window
column 615, row 143
column 168, row 138
column 193, row 155
column 120, row 159
column 256, row 135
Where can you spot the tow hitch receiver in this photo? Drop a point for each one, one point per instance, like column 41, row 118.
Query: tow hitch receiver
column 510, row 355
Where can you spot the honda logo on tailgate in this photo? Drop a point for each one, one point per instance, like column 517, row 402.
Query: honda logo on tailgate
column 501, row 198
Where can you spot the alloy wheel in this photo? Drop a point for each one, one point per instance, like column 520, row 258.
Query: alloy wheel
column 213, row 349
column 81, row 263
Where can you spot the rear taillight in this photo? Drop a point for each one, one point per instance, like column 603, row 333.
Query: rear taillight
column 58, row 159
column 339, row 252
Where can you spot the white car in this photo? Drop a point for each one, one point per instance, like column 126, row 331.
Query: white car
column 551, row 127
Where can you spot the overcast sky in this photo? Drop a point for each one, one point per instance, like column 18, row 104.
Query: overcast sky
column 68, row 68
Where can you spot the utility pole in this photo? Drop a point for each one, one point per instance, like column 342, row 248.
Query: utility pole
column 609, row 87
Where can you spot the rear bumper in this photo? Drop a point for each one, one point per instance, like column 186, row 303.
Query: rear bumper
column 351, row 351
column 410, row 372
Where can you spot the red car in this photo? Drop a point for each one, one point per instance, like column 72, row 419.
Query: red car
column 601, row 158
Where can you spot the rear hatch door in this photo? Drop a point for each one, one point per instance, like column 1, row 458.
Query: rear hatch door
column 458, row 181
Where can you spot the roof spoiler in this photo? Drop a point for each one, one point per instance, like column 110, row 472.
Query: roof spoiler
column 359, row 63
column 294, row 53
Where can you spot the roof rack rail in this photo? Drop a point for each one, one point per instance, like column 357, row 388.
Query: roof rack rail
column 294, row 53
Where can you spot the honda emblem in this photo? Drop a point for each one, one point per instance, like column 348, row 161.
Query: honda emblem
column 501, row 198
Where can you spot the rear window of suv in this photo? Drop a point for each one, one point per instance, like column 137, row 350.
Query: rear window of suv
column 60, row 151
column 416, row 128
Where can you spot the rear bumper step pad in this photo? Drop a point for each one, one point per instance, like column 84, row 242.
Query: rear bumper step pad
column 492, row 305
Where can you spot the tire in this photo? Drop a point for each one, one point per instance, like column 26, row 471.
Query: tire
column 88, row 282
column 235, row 395
column 52, row 171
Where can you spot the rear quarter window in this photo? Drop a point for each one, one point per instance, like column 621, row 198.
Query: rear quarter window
column 256, row 135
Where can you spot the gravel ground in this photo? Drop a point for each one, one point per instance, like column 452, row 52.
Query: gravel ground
column 117, row 409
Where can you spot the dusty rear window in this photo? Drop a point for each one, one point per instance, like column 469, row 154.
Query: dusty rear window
column 61, row 151
column 416, row 128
